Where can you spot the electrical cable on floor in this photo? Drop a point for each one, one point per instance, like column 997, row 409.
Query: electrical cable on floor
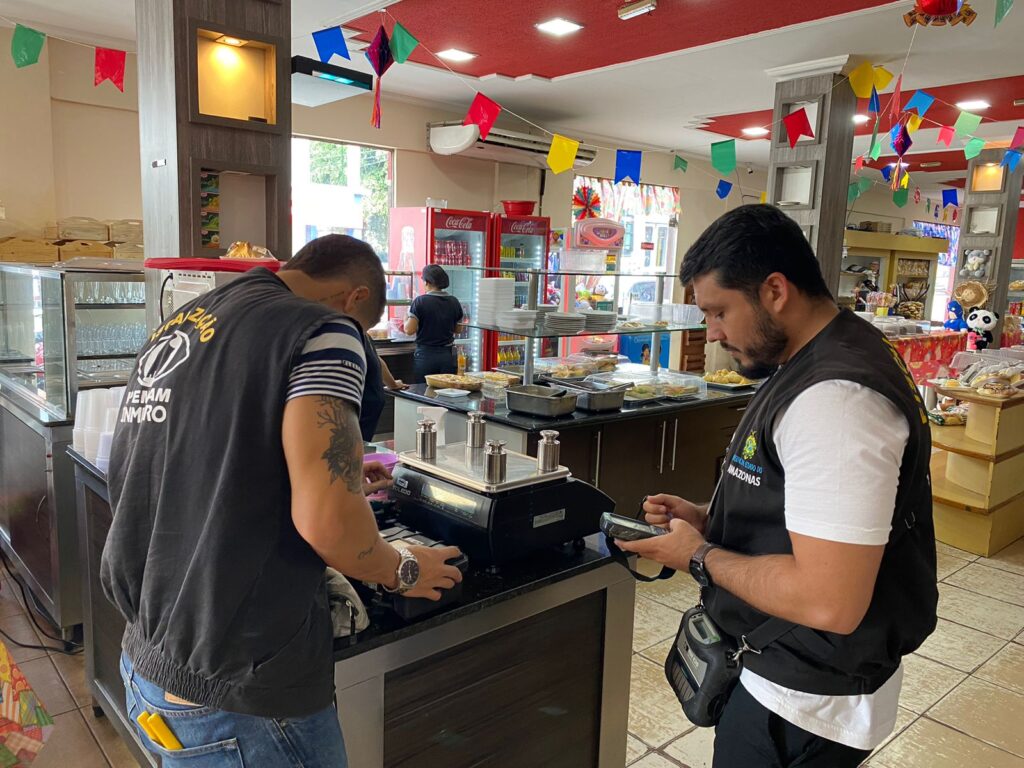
column 77, row 648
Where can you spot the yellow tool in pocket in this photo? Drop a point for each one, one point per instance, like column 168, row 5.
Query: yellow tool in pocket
column 158, row 731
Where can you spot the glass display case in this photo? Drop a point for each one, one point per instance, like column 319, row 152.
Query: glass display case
column 67, row 328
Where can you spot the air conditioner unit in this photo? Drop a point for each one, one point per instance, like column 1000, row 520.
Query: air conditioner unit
column 500, row 145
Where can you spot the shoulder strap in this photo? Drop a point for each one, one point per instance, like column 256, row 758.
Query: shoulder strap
column 620, row 557
column 765, row 634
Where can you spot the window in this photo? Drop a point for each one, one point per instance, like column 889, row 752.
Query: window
column 341, row 189
column 945, row 273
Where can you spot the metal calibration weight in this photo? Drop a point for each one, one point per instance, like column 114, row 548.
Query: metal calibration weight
column 426, row 440
column 547, row 451
column 477, row 430
column 495, row 462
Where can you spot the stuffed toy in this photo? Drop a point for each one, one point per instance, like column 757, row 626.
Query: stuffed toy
column 982, row 322
column 975, row 262
column 955, row 317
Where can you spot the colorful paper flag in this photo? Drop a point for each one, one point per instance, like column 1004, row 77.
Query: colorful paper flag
column 562, row 154
column 917, row 195
column 627, row 165
column 921, row 101
column 862, row 80
column 109, row 65
column 905, row 181
column 894, row 102
column 797, row 125
column 900, row 197
column 882, row 78
column 874, row 106
column 876, row 150
column 949, row 197
column 887, row 172
column 1018, row 138
column 852, row 193
column 966, row 124
column 913, row 123
column 403, row 44
column 764, row 198
column 864, row 185
column 974, row 147
column 858, row 164
column 946, row 134
column 723, row 190
column 1010, row 159
column 723, row 156
column 680, row 164
column 1002, row 8
column 482, row 112
column 26, row 45
column 329, row 42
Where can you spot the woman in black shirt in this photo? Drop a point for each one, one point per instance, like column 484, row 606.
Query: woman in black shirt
column 434, row 318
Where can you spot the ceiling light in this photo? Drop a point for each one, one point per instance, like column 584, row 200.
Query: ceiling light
column 229, row 40
column 559, row 27
column 973, row 104
column 756, row 131
column 638, row 8
column 1018, row 102
column 454, row 54
column 902, row 165
column 933, row 164
column 860, row 119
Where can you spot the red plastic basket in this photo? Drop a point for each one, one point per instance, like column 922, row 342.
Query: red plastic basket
column 518, row 207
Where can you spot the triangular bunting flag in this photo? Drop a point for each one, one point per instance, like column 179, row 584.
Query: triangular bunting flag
column 905, row 181
column 862, row 80
column 1010, row 159
column 874, row 106
column 562, row 154
column 764, row 198
column 894, row 103
column 974, row 147
column 966, row 124
column 797, row 125
column 1002, row 8
column 482, row 112
column 949, row 197
column 680, row 164
column 109, row 65
column 920, row 101
column 876, row 151
column 900, row 197
column 627, row 165
column 26, row 45
column 882, row 78
column 887, row 172
column 403, row 44
column 852, row 193
column 1018, row 138
column 913, row 123
column 723, row 190
column 858, row 164
column 864, row 184
column 329, row 42
column 946, row 134
column 723, row 156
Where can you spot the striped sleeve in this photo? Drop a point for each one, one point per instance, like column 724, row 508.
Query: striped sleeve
column 332, row 364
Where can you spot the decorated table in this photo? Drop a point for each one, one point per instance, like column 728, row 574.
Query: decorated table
column 929, row 355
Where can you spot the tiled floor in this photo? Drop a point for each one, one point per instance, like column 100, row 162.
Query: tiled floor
column 963, row 692
column 962, row 701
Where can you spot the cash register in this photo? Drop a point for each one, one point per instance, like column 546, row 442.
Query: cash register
column 497, row 506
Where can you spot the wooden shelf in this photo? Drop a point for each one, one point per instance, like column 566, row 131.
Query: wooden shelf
column 968, row 395
column 884, row 241
column 947, row 492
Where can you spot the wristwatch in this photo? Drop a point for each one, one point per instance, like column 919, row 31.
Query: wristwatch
column 408, row 572
column 697, row 569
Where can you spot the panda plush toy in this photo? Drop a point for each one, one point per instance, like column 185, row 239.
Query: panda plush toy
column 982, row 322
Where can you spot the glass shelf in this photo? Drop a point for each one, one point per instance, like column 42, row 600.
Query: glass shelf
column 110, row 306
column 573, row 272
column 541, row 333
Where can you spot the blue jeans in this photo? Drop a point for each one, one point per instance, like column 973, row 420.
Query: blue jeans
column 213, row 738
column 426, row 361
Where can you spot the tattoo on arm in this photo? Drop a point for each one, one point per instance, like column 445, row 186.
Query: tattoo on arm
column 368, row 551
column 343, row 454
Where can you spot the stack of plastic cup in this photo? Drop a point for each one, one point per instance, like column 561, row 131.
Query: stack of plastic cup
column 78, row 433
column 102, row 460
column 96, row 414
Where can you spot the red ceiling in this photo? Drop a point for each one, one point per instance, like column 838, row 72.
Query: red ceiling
column 1000, row 93
column 503, row 36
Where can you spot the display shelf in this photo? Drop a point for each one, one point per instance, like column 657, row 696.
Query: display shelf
column 539, row 333
column 398, row 302
column 574, row 272
column 130, row 305
column 955, row 440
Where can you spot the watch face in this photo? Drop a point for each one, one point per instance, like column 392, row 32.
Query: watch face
column 698, row 573
column 409, row 572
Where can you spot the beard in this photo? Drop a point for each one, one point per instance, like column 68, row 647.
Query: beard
column 765, row 351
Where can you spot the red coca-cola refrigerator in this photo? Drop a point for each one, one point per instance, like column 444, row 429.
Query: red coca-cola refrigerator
column 518, row 244
column 459, row 242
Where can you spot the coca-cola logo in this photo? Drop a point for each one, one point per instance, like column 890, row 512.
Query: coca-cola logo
column 459, row 222
column 523, row 228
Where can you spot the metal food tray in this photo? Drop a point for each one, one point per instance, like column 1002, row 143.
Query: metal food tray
column 464, row 466
column 539, row 401
column 598, row 400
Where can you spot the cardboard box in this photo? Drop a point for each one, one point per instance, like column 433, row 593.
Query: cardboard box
column 71, row 249
column 28, row 250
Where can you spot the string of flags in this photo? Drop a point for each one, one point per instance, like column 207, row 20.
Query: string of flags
column 27, row 46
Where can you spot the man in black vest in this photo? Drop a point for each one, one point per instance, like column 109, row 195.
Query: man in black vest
column 822, row 516
column 236, row 475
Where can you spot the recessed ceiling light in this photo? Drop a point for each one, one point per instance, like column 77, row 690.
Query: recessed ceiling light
column 756, row 131
column 973, row 104
column 860, row 119
column 902, row 165
column 454, row 54
column 559, row 27
column 229, row 40
column 933, row 164
column 637, row 8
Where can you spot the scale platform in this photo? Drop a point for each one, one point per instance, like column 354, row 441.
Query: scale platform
column 464, row 466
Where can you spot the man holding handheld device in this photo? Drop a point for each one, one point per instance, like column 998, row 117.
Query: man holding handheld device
column 816, row 555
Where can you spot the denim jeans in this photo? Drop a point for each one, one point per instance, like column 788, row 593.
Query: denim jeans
column 426, row 361
column 213, row 738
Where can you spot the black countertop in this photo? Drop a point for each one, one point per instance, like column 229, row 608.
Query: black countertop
column 480, row 590
column 497, row 412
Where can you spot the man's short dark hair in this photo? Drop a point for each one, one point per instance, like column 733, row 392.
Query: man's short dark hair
column 744, row 246
column 340, row 256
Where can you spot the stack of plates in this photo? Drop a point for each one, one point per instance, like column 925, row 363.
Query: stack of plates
column 564, row 323
column 598, row 321
column 517, row 320
column 497, row 294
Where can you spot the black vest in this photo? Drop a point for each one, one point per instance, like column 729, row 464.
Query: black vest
column 223, row 598
column 748, row 516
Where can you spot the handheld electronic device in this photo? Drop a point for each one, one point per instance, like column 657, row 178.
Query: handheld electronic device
column 628, row 529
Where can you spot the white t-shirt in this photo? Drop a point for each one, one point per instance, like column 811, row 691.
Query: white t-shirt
column 841, row 445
